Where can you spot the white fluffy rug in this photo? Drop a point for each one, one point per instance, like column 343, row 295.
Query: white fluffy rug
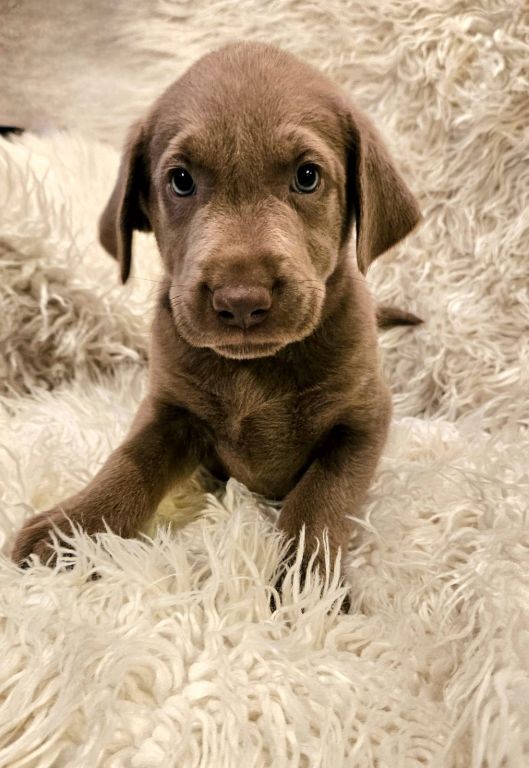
column 173, row 657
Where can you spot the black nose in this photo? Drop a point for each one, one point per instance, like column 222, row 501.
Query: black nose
column 241, row 305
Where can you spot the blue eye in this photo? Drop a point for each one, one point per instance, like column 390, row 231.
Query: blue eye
column 307, row 178
column 182, row 182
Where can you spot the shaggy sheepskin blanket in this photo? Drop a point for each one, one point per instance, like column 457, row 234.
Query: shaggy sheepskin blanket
column 173, row 656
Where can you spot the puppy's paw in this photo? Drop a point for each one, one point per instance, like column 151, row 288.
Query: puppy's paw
column 35, row 536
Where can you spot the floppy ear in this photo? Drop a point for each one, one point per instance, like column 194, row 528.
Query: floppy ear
column 384, row 208
column 126, row 209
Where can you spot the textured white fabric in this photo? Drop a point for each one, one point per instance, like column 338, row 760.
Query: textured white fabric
column 172, row 657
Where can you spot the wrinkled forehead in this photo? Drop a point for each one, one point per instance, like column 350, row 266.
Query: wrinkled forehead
column 264, row 113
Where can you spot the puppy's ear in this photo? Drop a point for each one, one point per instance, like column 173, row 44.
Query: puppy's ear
column 384, row 209
column 126, row 208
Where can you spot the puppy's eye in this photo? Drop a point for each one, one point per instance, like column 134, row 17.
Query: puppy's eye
column 182, row 182
column 307, row 178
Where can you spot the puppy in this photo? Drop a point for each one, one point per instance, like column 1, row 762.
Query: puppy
column 253, row 171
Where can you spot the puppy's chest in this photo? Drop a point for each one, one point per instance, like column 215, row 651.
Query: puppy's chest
column 265, row 432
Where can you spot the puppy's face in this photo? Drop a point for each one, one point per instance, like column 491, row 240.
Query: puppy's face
column 247, row 200
column 246, row 172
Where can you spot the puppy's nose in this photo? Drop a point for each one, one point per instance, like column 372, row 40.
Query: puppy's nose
column 241, row 305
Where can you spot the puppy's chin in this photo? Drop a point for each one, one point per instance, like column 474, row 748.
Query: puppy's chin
column 236, row 350
column 247, row 351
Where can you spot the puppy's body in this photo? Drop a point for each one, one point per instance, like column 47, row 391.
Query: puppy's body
column 263, row 419
column 251, row 170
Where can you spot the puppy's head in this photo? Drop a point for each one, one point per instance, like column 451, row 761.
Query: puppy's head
column 251, row 170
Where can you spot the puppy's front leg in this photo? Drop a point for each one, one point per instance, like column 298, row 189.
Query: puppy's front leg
column 162, row 446
column 332, row 490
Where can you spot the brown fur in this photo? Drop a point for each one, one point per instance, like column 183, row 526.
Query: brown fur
column 294, row 406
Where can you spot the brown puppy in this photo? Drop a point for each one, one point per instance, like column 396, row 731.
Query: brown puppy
column 251, row 171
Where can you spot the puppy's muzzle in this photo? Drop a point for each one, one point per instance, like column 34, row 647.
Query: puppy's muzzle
column 241, row 306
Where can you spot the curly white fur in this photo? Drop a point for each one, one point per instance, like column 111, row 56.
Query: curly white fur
column 172, row 657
